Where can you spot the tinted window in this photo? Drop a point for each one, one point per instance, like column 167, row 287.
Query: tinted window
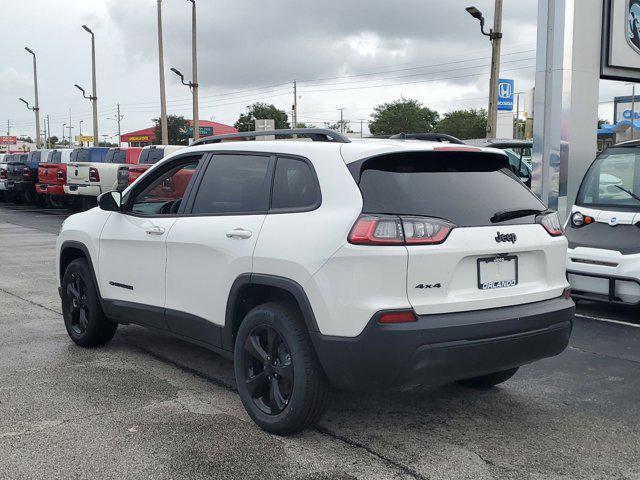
column 234, row 184
column 464, row 188
column 150, row 155
column 116, row 156
column 294, row 185
column 34, row 157
column 56, row 157
column 80, row 155
column 613, row 180
column 110, row 156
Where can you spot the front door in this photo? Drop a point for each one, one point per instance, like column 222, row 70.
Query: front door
column 132, row 257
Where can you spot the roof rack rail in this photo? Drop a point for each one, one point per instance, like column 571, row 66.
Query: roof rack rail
column 315, row 134
column 432, row 137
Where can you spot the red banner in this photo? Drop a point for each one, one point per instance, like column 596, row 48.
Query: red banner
column 8, row 140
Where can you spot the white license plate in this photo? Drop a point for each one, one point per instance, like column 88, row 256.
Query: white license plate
column 497, row 272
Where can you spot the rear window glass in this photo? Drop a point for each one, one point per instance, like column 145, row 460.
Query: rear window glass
column 150, row 155
column 116, row 156
column 55, row 157
column 464, row 188
column 80, row 155
column 34, row 156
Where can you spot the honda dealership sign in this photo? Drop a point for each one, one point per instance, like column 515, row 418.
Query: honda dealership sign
column 505, row 95
column 620, row 57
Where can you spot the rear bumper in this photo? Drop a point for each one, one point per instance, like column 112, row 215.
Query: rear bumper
column 48, row 189
column 16, row 185
column 82, row 190
column 446, row 347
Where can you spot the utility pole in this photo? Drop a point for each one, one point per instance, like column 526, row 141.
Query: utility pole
column 64, row 125
column 194, row 70
column 94, row 96
column 295, row 104
column 495, row 35
column 341, row 120
column 36, row 107
column 70, row 127
column 163, row 96
column 516, row 127
column 49, row 130
column 120, row 117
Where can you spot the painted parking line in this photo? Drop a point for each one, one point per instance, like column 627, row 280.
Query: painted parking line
column 608, row 320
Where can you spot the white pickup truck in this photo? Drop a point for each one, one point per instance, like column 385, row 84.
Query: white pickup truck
column 91, row 172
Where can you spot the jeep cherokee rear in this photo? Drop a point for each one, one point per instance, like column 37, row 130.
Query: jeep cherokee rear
column 362, row 265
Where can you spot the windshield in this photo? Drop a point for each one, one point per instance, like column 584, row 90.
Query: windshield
column 466, row 189
column 613, row 180
column 150, row 155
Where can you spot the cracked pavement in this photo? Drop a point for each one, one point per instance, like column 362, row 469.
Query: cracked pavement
column 150, row 406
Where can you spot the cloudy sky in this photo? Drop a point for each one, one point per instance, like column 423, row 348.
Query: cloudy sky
column 351, row 54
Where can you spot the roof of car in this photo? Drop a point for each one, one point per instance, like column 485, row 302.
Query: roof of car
column 357, row 149
column 500, row 142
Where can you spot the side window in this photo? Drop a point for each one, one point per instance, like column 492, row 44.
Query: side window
column 294, row 185
column 163, row 196
column 234, row 184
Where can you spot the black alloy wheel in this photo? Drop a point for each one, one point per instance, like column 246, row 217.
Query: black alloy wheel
column 84, row 319
column 268, row 369
column 77, row 304
column 280, row 380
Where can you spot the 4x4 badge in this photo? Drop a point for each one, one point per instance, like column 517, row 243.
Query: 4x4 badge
column 506, row 237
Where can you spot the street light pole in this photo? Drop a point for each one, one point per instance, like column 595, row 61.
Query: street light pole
column 495, row 35
column 94, row 96
column 163, row 96
column 36, row 107
column 194, row 69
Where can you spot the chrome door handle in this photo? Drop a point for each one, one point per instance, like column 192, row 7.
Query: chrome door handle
column 155, row 231
column 239, row 233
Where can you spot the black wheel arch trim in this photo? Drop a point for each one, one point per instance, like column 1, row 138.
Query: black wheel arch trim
column 74, row 244
column 290, row 286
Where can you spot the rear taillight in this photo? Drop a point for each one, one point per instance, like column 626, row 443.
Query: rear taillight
column 61, row 176
column 94, row 176
column 551, row 223
column 404, row 316
column 402, row 230
column 26, row 173
column 3, row 174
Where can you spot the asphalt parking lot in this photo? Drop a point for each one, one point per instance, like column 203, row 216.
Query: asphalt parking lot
column 150, row 406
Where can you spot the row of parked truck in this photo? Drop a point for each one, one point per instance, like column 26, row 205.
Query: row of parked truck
column 73, row 177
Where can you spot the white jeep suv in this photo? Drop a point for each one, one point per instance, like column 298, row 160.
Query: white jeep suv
column 360, row 265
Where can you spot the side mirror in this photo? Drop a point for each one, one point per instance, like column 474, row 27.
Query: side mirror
column 110, row 201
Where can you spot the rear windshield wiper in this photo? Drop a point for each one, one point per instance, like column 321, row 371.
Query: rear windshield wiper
column 628, row 192
column 503, row 215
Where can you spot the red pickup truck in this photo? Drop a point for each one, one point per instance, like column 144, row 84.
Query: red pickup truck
column 52, row 175
column 148, row 156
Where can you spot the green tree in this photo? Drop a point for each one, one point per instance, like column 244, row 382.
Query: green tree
column 25, row 138
column 336, row 126
column 402, row 116
column 261, row 111
column 53, row 140
column 464, row 124
column 175, row 125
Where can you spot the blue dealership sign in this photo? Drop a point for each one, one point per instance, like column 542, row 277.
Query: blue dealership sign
column 505, row 95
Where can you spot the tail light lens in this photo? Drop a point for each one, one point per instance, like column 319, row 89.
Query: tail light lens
column 26, row 173
column 551, row 224
column 94, row 176
column 402, row 230
column 3, row 174
column 404, row 316
column 61, row 175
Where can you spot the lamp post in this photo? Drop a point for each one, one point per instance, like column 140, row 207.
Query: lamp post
column 163, row 96
column 64, row 125
column 194, row 87
column 36, row 107
column 94, row 96
column 194, row 71
column 80, row 132
column 495, row 36
column 95, row 113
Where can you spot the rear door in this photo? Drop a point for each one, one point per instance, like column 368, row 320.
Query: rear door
column 78, row 168
column 477, row 259
column 213, row 245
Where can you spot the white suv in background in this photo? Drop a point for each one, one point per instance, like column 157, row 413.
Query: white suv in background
column 361, row 265
column 603, row 262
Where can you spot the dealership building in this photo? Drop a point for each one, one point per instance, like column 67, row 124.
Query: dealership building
column 147, row 136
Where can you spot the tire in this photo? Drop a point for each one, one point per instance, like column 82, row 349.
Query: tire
column 488, row 381
column 55, row 201
column 84, row 319
column 302, row 391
